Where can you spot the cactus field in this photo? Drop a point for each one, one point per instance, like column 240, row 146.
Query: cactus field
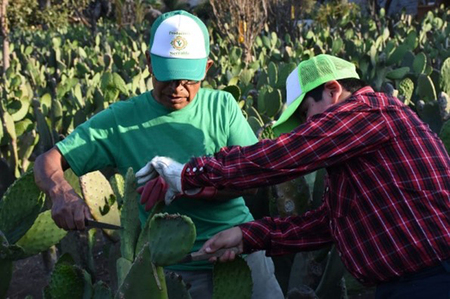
column 59, row 78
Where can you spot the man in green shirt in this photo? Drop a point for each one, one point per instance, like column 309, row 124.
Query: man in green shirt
column 178, row 119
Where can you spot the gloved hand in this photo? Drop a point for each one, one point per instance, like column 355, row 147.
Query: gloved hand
column 168, row 169
column 153, row 192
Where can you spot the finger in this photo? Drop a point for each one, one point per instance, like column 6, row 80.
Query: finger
column 208, row 246
column 170, row 196
column 144, row 179
column 70, row 224
column 144, row 170
column 147, row 189
column 154, row 196
column 212, row 259
column 78, row 219
column 140, row 189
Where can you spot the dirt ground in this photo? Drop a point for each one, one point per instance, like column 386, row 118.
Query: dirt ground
column 30, row 275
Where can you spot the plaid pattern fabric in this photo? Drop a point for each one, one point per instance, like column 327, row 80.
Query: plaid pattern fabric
column 387, row 201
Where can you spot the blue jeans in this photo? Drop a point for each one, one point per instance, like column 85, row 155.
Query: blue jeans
column 430, row 283
column 265, row 285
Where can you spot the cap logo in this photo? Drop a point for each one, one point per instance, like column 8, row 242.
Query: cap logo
column 179, row 43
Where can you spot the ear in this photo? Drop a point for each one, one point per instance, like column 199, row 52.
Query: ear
column 209, row 64
column 149, row 62
column 333, row 91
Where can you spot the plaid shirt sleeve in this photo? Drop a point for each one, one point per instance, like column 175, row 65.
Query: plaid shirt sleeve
column 326, row 139
column 280, row 236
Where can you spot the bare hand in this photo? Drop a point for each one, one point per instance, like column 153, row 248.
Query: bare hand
column 69, row 211
column 228, row 238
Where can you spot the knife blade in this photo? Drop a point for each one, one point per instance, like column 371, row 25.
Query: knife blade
column 96, row 224
column 201, row 256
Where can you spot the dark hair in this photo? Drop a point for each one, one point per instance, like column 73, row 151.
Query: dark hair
column 349, row 84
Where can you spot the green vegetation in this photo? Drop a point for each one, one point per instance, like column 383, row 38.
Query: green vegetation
column 59, row 78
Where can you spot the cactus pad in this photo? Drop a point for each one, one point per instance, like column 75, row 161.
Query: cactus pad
column 96, row 192
column 445, row 135
column 143, row 280
column 66, row 281
column 43, row 234
column 171, row 237
column 232, row 280
column 21, row 204
column 445, row 76
column 118, row 186
column 426, row 89
column 176, row 288
column 406, row 89
column 129, row 217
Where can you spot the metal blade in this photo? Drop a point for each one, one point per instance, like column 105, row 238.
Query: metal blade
column 96, row 224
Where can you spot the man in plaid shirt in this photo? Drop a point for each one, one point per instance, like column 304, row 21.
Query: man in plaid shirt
column 386, row 205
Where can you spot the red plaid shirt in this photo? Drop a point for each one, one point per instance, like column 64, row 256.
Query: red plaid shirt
column 387, row 201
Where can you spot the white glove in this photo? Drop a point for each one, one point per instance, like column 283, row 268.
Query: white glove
column 168, row 169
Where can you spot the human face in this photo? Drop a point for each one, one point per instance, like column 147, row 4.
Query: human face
column 310, row 107
column 175, row 94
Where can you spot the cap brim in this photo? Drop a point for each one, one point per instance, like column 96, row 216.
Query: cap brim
column 286, row 123
column 166, row 69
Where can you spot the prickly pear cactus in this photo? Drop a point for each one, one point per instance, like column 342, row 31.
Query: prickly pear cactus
column 9, row 251
column 144, row 280
column 5, row 276
column 66, row 281
column 73, row 180
column 445, row 135
column 176, row 288
column 21, row 204
column 171, row 237
column 123, row 266
column 129, row 218
column 118, row 185
column 43, row 234
column 232, row 280
column 96, row 192
column 406, row 89
column 445, row 76
column 102, row 291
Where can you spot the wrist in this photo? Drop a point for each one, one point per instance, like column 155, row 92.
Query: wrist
column 57, row 189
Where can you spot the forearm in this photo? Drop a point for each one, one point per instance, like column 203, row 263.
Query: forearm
column 69, row 211
column 280, row 236
column 49, row 173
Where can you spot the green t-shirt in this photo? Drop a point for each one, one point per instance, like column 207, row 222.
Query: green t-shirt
column 132, row 132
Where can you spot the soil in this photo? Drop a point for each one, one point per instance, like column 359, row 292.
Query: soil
column 30, row 275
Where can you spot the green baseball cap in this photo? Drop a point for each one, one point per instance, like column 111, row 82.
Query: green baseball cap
column 308, row 75
column 179, row 46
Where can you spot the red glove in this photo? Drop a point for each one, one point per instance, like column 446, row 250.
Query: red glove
column 155, row 191
column 152, row 192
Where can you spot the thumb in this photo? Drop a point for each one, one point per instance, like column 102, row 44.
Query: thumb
column 213, row 244
column 170, row 196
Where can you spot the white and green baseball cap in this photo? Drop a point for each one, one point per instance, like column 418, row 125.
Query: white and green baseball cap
column 308, row 75
column 179, row 46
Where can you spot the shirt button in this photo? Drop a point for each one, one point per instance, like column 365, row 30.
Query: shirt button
column 188, row 170
column 201, row 168
column 327, row 189
column 194, row 169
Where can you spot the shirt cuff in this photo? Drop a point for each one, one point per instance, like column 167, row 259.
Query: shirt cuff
column 194, row 174
column 255, row 236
